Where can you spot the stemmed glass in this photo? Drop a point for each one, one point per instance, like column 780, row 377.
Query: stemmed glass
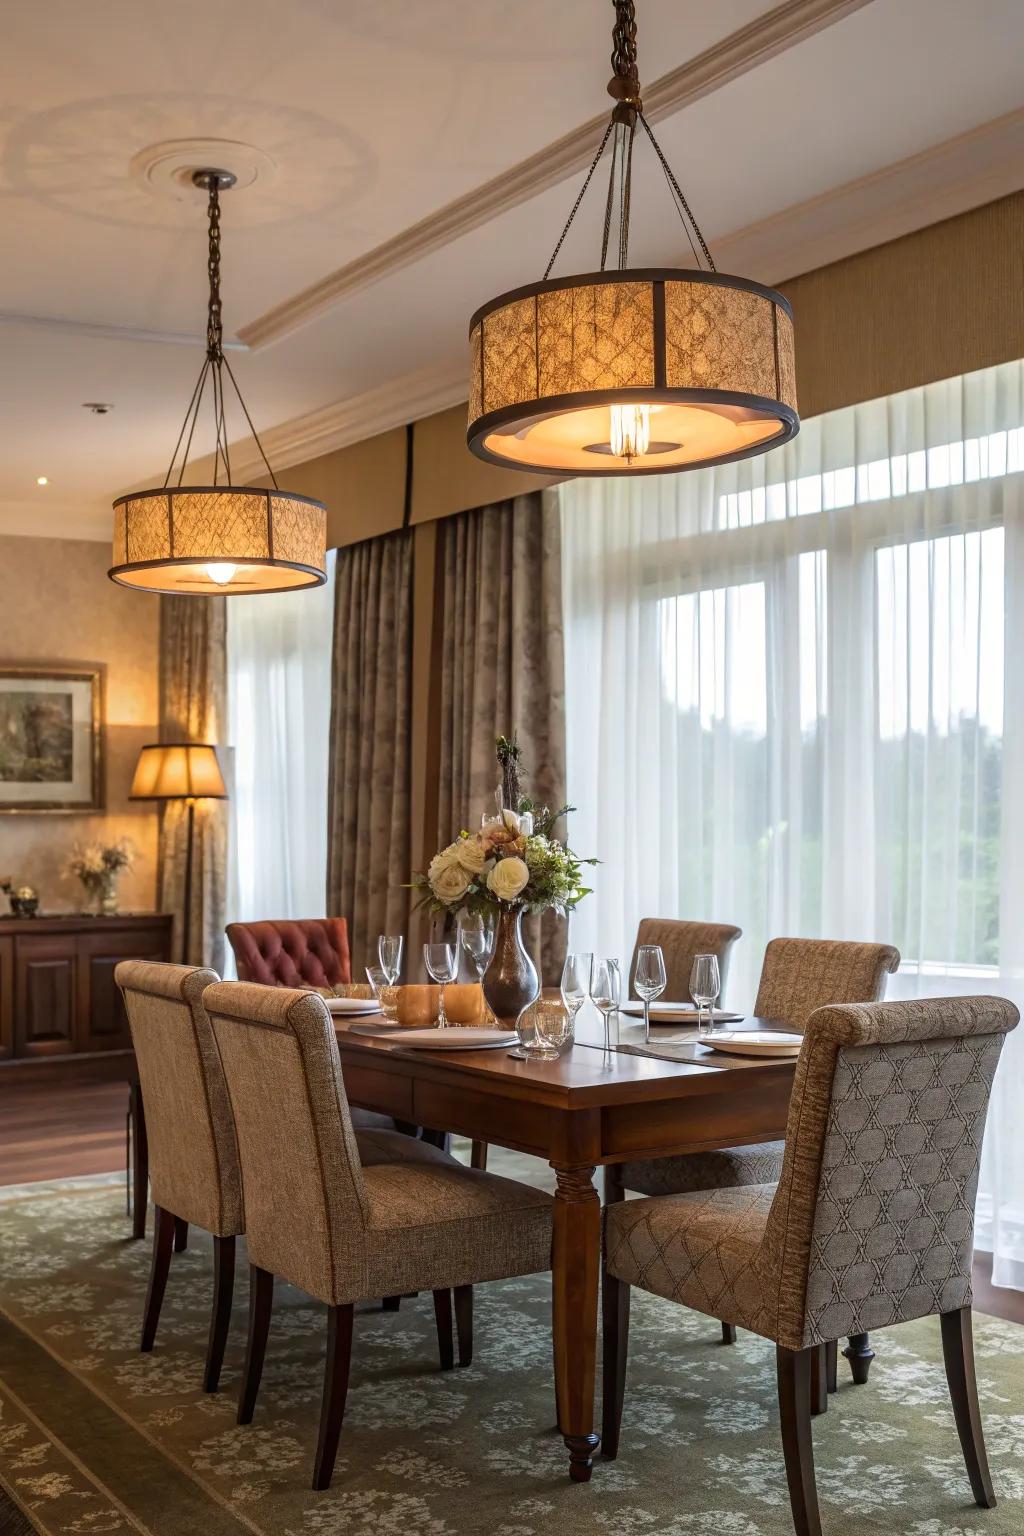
column 576, row 975
column 605, row 993
column 476, row 939
column 705, row 985
column 389, row 953
column 650, row 980
column 440, row 961
column 552, row 1025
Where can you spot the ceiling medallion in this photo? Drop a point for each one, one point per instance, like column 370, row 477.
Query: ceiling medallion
column 220, row 538
column 629, row 371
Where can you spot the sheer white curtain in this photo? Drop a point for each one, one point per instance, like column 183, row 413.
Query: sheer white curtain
column 787, row 705
column 279, row 707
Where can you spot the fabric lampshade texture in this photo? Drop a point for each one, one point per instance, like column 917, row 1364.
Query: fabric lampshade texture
column 178, row 771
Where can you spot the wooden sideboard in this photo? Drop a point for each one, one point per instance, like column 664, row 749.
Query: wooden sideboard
column 58, row 998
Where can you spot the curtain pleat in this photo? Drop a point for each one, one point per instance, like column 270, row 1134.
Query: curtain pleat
column 503, row 670
column 193, row 707
column 368, row 793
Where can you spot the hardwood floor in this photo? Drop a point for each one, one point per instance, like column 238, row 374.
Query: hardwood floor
column 55, row 1128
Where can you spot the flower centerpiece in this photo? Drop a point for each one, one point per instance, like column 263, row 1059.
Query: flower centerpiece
column 512, row 866
column 98, row 866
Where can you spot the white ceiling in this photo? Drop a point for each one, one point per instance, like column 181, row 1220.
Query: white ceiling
column 362, row 121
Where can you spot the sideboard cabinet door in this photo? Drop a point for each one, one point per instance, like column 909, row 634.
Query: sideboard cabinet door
column 6, row 998
column 44, row 1022
column 102, row 1021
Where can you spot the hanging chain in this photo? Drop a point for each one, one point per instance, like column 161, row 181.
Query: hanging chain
column 677, row 192
column 624, row 65
column 214, row 322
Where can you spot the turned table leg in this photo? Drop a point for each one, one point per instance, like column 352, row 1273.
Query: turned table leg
column 576, row 1263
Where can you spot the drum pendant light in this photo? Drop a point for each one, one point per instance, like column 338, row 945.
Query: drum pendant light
column 220, row 538
column 629, row 371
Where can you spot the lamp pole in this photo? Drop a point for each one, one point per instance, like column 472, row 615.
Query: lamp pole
column 187, row 923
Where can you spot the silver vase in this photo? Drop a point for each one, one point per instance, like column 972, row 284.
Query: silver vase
column 510, row 982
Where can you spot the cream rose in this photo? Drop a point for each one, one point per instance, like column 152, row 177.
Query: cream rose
column 472, row 855
column 450, row 883
column 508, row 878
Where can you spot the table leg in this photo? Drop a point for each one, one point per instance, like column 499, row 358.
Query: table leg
column 140, row 1162
column 576, row 1263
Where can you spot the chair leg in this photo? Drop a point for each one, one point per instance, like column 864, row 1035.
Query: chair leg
column 332, row 1409
column 391, row 1303
column 443, row 1319
column 958, row 1355
column 819, row 1380
column 261, row 1301
column 464, row 1322
column 478, row 1155
column 220, row 1319
column 180, row 1235
column 831, row 1365
column 794, row 1368
column 140, row 1161
column 615, row 1315
column 163, row 1242
column 728, row 1333
column 860, row 1355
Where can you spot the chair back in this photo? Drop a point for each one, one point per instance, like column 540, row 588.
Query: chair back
column 873, row 1219
column 680, row 942
column 287, row 952
column 193, row 1155
column 301, row 1174
column 800, row 975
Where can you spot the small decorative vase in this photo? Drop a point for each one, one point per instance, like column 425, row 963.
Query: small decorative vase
column 108, row 895
column 510, row 981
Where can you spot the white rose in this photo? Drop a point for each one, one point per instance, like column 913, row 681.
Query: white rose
column 443, row 860
column 508, row 878
column 450, row 883
column 472, row 855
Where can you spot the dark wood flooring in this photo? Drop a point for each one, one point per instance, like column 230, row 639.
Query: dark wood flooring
column 56, row 1128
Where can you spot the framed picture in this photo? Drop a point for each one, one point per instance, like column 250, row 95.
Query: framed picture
column 51, row 739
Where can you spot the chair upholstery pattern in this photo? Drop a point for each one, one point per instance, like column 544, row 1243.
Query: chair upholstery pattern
column 872, row 1220
column 307, row 952
column 680, row 941
column 193, row 1156
column 797, row 977
column 339, row 1230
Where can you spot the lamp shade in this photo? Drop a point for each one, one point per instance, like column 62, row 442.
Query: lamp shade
column 635, row 371
column 178, row 770
column 222, row 539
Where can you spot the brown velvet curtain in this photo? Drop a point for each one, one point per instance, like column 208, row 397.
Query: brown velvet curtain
column 503, row 670
column 193, row 707
column 368, row 794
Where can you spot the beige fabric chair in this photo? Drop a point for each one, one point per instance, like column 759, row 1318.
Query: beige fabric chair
column 340, row 1231
column 871, row 1223
column 193, row 1157
column 680, row 942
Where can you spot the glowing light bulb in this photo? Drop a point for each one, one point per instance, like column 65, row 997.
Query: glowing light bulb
column 629, row 431
column 221, row 573
column 42, row 480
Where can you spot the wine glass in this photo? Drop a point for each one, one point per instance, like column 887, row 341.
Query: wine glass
column 576, row 982
column 605, row 988
column 383, row 991
column 552, row 1025
column 389, row 953
column 650, row 980
column 705, row 985
column 476, row 940
column 441, row 963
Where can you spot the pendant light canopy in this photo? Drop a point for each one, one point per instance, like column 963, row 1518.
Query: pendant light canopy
column 631, row 371
column 221, row 538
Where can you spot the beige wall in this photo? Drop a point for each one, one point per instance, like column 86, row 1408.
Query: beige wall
column 57, row 605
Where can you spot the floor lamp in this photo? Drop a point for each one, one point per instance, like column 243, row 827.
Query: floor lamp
column 180, row 770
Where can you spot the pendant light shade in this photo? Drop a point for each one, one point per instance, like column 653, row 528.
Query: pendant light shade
column 220, row 539
column 629, row 371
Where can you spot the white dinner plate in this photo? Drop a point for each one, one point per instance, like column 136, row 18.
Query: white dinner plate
column 466, row 1037
column 678, row 1013
column 352, row 1005
column 754, row 1042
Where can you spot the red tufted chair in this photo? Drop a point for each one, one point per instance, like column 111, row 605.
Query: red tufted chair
column 287, row 952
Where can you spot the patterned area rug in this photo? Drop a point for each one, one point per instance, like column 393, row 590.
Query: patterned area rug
column 96, row 1438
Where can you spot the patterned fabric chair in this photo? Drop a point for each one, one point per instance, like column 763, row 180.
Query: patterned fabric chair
column 292, row 952
column 340, row 1231
column 871, row 1223
column 680, row 941
column 193, row 1155
column 797, row 977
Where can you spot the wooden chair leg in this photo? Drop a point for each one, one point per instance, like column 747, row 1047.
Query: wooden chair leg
column 163, row 1242
column 819, row 1380
column 860, row 1355
column 180, row 1235
column 464, row 1322
column 391, row 1303
column 794, row 1369
column 831, row 1365
column 728, row 1333
column 220, row 1318
column 958, row 1354
column 140, row 1160
column 332, row 1408
column 443, row 1319
column 261, row 1301
column 478, row 1155
column 615, row 1315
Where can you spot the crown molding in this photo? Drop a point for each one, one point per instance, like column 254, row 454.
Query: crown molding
column 760, row 40
column 56, row 520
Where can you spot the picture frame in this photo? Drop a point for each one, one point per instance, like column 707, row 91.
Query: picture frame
column 51, row 739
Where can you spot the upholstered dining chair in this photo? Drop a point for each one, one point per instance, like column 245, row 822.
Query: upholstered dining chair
column 193, row 1155
column 340, row 1231
column 798, row 976
column 292, row 952
column 681, row 941
column 871, row 1223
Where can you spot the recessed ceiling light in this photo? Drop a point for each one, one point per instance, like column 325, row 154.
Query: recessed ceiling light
column 98, row 407
column 42, row 480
